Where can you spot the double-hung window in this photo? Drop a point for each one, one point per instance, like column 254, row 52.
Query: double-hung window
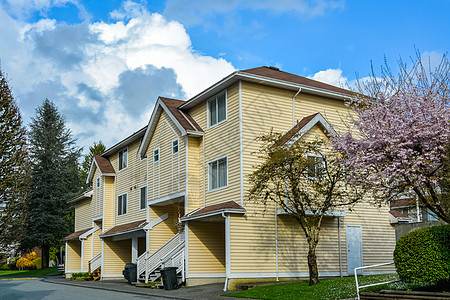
column 175, row 146
column 156, row 155
column 217, row 109
column 143, row 198
column 98, row 182
column 217, row 173
column 122, row 204
column 123, row 159
column 315, row 166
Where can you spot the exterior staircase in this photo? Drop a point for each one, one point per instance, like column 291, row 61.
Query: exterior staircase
column 171, row 254
column 94, row 266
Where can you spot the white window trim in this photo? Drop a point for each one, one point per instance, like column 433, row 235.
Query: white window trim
column 118, row 159
column 146, row 201
column 222, row 187
column 226, row 109
column 178, row 144
column 122, row 205
column 159, row 155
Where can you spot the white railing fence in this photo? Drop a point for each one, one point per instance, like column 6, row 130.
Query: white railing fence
column 358, row 287
column 147, row 263
column 95, row 262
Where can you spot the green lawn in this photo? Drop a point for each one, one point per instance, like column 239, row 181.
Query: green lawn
column 336, row 288
column 30, row 273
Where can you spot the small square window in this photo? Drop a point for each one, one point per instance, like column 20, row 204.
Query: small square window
column 156, row 155
column 122, row 204
column 175, row 147
column 143, row 198
column 123, row 159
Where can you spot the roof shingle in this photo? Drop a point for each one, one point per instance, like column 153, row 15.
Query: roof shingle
column 186, row 120
column 119, row 229
column 104, row 165
column 75, row 235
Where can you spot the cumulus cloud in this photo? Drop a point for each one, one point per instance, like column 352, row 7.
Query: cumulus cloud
column 105, row 77
column 331, row 76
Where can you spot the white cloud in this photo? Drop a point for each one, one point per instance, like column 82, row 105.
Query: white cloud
column 89, row 69
column 331, row 76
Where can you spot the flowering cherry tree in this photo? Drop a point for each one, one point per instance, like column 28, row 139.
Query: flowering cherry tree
column 399, row 134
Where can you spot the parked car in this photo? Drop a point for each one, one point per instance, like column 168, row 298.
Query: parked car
column 61, row 267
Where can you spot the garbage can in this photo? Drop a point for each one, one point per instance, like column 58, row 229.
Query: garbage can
column 130, row 273
column 169, row 278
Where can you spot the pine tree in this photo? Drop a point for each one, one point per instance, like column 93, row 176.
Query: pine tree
column 96, row 149
column 55, row 173
column 14, row 171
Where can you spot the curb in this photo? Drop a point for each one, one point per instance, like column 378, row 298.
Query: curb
column 45, row 279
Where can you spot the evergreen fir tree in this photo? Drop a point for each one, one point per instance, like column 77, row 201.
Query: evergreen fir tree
column 96, row 149
column 14, row 171
column 55, row 172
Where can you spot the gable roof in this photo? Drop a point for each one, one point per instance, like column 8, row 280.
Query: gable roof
column 126, row 141
column 302, row 127
column 103, row 165
column 184, row 122
column 75, row 235
column 271, row 76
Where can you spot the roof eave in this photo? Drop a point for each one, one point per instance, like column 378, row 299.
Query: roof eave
column 132, row 138
column 240, row 75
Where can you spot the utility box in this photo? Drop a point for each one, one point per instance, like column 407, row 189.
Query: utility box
column 169, row 278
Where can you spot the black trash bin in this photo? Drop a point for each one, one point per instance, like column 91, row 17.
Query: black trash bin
column 130, row 273
column 169, row 278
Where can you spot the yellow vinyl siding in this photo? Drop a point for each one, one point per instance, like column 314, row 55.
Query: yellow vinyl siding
column 97, row 196
column 109, row 203
column 253, row 238
column 195, row 173
column 167, row 176
column 222, row 140
column 117, row 254
column 83, row 215
column 165, row 230
column 130, row 180
column 206, row 247
column 87, row 247
column 73, row 256
column 97, row 242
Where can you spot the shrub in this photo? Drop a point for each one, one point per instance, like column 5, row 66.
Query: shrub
column 12, row 262
column 38, row 263
column 423, row 255
column 80, row 275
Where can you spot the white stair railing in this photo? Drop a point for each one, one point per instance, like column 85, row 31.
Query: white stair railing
column 95, row 262
column 147, row 263
column 358, row 287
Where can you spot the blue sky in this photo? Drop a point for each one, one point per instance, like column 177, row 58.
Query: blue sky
column 104, row 63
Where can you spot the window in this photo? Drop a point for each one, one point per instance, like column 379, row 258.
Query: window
column 315, row 166
column 123, row 159
column 175, row 147
column 98, row 182
column 122, row 204
column 217, row 173
column 143, row 198
column 156, row 155
column 217, row 108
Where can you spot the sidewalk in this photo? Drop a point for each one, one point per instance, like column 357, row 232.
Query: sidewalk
column 207, row 291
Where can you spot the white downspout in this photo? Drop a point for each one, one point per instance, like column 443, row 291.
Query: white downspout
column 276, row 233
column 293, row 106
column 227, row 250
column 418, row 210
column 340, row 247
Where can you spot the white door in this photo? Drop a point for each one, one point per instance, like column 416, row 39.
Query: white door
column 354, row 248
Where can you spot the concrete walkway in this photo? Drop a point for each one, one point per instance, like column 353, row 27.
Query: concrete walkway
column 207, row 291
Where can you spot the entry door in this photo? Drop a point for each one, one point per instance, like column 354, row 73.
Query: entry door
column 354, row 248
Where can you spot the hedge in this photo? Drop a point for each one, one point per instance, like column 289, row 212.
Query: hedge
column 423, row 255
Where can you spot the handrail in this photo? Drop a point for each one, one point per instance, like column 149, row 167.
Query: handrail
column 95, row 262
column 373, row 284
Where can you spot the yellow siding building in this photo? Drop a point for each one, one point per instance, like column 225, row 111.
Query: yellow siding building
column 175, row 192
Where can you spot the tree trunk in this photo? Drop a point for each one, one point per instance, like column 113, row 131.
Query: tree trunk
column 312, row 265
column 45, row 256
